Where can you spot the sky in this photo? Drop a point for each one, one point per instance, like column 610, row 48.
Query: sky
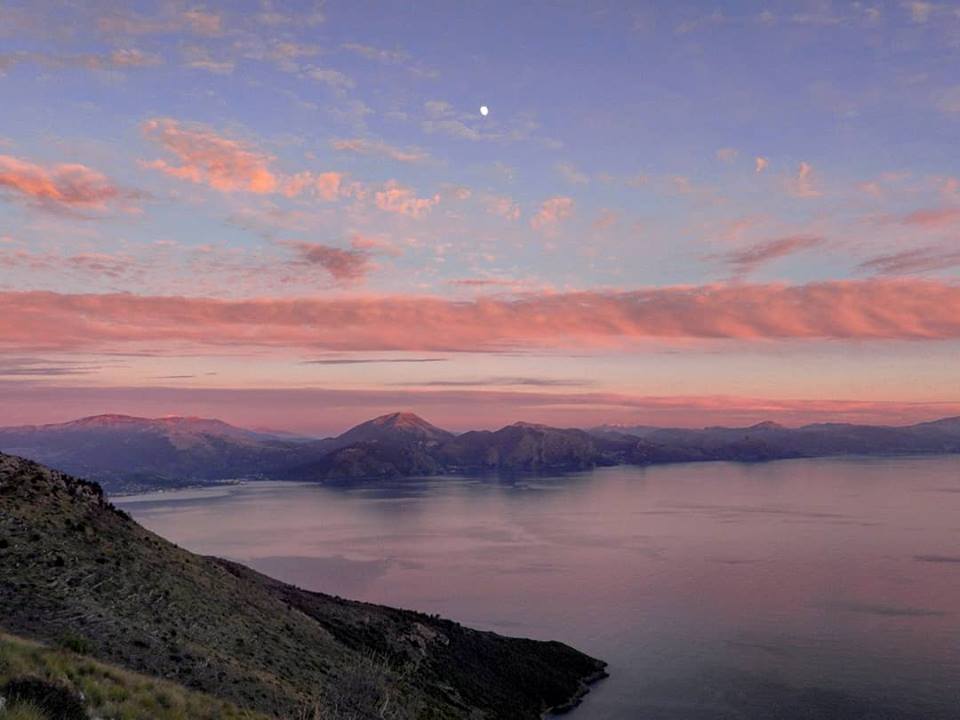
column 293, row 215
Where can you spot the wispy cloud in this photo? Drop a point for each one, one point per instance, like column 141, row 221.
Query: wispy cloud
column 605, row 220
column 396, row 198
column 442, row 118
column 332, row 78
column 195, row 21
column 917, row 260
column 481, row 283
column 504, row 207
column 503, row 382
column 727, row 154
column 552, row 212
column 364, row 146
column 804, row 185
column 40, row 367
column 374, row 360
column 342, row 265
column 920, row 11
column 745, row 260
column 376, row 244
column 391, row 57
column 571, row 174
column 119, row 59
column 200, row 58
column 933, row 218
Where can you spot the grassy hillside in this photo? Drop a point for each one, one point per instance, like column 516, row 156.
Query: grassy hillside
column 72, row 565
column 106, row 691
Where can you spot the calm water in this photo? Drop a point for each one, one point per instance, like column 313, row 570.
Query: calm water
column 800, row 589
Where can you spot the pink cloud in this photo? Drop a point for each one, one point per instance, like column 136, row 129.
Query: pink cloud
column 606, row 219
column 396, row 198
column 504, row 207
column 222, row 163
column 65, row 185
column 203, row 23
column 552, row 212
column 804, row 185
column 343, row 265
column 230, row 165
column 855, row 309
column 727, row 154
column 748, row 259
column 89, row 265
column 133, row 58
column 328, row 185
column 940, row 217
column 375, row 244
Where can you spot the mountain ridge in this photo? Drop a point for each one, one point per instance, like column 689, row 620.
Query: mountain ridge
column 130, row 454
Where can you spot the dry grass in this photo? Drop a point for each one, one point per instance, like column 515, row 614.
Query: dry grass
column 22, row 711
column 109, row 693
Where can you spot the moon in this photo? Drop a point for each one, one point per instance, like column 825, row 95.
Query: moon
column 484, row 110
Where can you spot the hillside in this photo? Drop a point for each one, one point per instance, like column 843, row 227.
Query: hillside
column 95, row 688
column 70, row 564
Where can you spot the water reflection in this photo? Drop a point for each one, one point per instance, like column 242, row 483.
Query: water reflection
column 800, row 589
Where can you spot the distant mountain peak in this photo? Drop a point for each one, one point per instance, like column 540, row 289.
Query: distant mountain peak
column 400, row 420
column 767, row 425
column 529, row 425
column 395, row 426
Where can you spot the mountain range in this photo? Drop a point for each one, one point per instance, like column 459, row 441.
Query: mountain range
column 128, row 454
column 77, row 572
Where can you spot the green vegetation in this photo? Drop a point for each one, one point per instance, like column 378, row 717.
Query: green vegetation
column 107, row 692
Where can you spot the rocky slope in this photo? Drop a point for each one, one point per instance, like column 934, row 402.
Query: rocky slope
column 72, row 565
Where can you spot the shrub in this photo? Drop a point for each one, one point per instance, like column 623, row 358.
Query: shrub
column 76, row 644
column 369, row 689
column 51, row 699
